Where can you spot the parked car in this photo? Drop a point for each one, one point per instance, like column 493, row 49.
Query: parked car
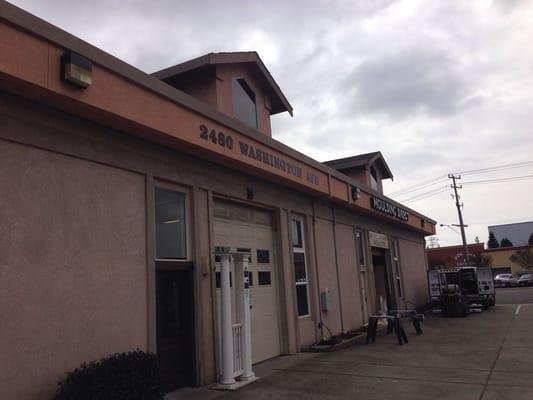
column 525, row 280
column 505, row 280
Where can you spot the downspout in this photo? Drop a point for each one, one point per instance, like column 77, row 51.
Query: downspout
column 320, row 323
column 337, row 265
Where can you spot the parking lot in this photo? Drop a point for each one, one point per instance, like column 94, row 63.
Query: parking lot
column 517, row 295
column 483, row 356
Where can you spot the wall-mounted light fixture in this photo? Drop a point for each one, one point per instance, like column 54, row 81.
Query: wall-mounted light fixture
column 356, row 193
column 76, row 69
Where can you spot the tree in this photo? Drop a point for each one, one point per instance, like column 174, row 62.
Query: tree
column 492, row 243
column 480, row 260
column 506, row 243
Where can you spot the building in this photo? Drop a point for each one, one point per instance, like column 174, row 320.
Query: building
column 517, row 233
column 451, row 256
column 131, row 203
column 504, row 261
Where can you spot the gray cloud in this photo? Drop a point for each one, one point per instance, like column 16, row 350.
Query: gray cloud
column 408, row 83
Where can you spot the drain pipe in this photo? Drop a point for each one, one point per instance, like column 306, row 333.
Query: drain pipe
column 320, row 323
column 337, row 266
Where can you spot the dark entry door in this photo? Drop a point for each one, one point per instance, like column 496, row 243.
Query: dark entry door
column 381, row 277
column 174, row 329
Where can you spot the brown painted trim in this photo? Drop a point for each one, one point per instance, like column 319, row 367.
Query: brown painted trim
column 212, row 280
column 292, row 283
column 335, row 244
column 150, row 266
column 196, row 282
column 311, row 270
column 282, row 292
column 315, row 256
column 173, row 265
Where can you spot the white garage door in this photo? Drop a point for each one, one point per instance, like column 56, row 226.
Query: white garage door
column 240, row 228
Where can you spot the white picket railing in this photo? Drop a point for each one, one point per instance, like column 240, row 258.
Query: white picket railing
column 237, row 349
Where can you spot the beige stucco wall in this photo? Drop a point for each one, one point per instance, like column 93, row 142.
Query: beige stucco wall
column 72, row 270
column 327, row 273
column 348, row 278
column 108, row 206
column 501, row 258
column 413, row 273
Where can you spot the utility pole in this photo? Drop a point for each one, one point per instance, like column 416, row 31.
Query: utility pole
column 433, row 242
column 454, row 186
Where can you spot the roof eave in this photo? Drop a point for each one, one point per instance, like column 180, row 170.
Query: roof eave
column 281, row 104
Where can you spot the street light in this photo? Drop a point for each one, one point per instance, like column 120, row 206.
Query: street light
column 450, row 227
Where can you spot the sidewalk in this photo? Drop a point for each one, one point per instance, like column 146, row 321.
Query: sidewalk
column 484, row 356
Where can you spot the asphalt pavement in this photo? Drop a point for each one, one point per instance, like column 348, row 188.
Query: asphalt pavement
column 484, row 356
column 518, row 295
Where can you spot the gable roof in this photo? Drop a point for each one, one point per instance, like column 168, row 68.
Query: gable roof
column 361, row 160
column 278, row 99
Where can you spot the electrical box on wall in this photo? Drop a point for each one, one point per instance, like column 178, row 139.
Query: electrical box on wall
column 325, row 300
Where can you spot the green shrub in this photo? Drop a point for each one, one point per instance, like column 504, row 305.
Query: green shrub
column 122, row 376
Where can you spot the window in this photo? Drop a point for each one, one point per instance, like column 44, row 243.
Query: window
column 296, row 233
column 264, row 278
column 373, row 178
column 250, row 278
column 244, row 107
column 170, row 233
column 396, row 264
column 263, row 256
column 300, row 268
column 360, row 248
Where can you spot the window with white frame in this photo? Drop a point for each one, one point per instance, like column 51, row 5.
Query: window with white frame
column 300, row 267
column 170, row 225
column 360, row 248
column 396, row 264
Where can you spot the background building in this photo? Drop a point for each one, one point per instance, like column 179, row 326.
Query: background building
column 452, row 256
column 505, row 260
column 518, row 233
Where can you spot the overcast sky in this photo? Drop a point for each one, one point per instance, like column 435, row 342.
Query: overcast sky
column 436, row 86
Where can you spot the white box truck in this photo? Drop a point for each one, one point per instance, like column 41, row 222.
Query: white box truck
column 457, row 291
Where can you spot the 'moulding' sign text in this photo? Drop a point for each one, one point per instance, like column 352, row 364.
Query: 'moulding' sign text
column 387, row 208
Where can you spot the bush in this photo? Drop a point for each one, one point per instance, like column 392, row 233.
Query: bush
column 122, row 376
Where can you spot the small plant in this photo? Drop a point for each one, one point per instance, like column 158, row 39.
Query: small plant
column 123, row 376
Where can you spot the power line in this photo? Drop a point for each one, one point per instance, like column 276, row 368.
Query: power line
column 419, row 185
column 503, row 221
column 497, row 168
column 425, row 195
column 442, row 178
column 500, row 180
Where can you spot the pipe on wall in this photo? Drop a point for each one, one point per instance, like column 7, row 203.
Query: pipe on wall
column 337, row 266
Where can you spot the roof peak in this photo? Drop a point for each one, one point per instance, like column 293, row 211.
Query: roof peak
column 360, row 160
column 279, row 101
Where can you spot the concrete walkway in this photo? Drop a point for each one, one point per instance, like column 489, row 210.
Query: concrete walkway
column 484, row 356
